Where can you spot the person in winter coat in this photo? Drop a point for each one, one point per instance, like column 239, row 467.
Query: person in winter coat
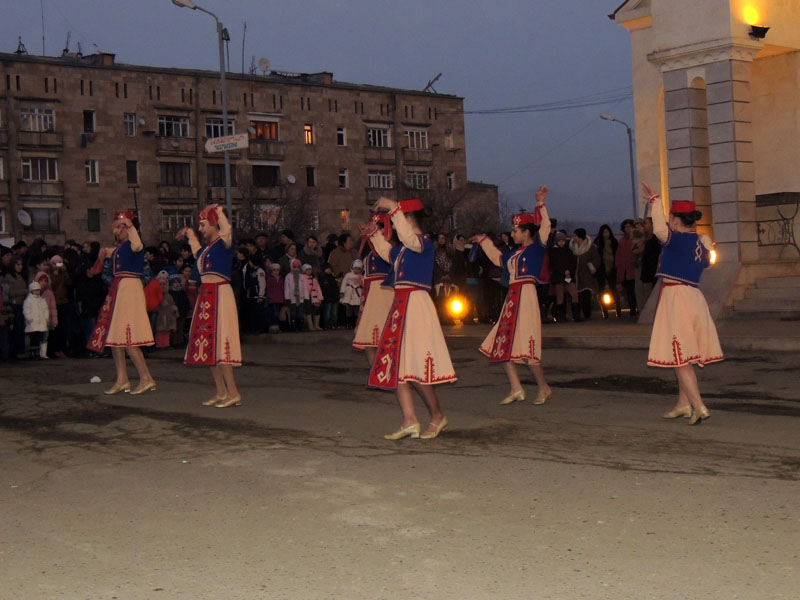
column 350, row 292
column 296, row 292
column 563, row 266
column 275, row 298
column 17, row 291
column 626, row 269
column 607, row 274
column 37, row 318
column 167, row 316
column 313, row 306
column 330, row 297
column 61, row 283
column 312, row 255
column 256, row 292
column 588, row 263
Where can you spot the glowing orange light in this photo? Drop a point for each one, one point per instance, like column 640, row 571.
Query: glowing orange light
column 606, row 299
column 750, row 15
column 456, row 307
column 712, row 257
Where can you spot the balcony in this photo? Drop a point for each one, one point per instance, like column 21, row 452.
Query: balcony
column 41, row 190
column 40, row 139
column 374, row 193
column 218, row 193
column 417, row 157
column 175, row 146
column 267, row 193
column 176, row 193
column 379, row 155
column 267, row 149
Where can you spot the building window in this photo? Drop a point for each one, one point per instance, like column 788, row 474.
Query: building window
column 382, row 180
column 39, row 169
column 341, row 136
column 451, row 180
column 1, row 169
column 418, row 180
column 37, row 119
column 3, row 221
column 344, row 179
column 178, row 174
column 311, row 177
column 452, row 222
column 215, row 129
column 264, row 130
column 379, row 137
column 175, row 219
column 448, row 140
column 172, row 126
column 129, row 121
column 132, row 172
column 313, row 224
column 216, row 175
column 88, row 121
column 92, row 169
column 309, row 133
column 417, row 139
column 44, row 220
column 266, row 175
column 93, row 219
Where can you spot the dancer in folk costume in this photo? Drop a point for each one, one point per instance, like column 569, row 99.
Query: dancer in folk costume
column 123, row 323
column 412, row 350
column 517, row 335
column 377, row 296
column 214, row 335
column 683, row 330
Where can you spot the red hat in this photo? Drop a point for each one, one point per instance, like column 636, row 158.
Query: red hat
column 387, row 223
column 682, row 206
column 209, row 213
column 123, row 214
column 411, row 205
column 522, row 219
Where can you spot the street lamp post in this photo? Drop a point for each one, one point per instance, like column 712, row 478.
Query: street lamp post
column 222, row 34
column 608, row 117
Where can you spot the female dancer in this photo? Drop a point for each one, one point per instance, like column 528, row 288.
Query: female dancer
column 683, row 331
column 517, row 335
column 377, row 297
column 122, row 322
column 214, row 335
column 412, row 350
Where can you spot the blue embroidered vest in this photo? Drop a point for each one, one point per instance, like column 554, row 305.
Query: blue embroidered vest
column 216, row 259
column 375, row 266
column 413, row 268
column 683, row 258
column 126, row 262
column 528, row 264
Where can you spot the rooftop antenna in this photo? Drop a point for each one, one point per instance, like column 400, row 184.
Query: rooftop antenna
column 430, row 84
column 244, row 36
column 21, row 47
column 65, row 51
column 264, row 65
column 41, row 4
column 253, row 65
column 80, row 52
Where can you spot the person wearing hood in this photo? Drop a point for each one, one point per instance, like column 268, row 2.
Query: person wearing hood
column 588, row 263
column 296, row 292
column 350, row 292
column 562, row 277
column 37, row 318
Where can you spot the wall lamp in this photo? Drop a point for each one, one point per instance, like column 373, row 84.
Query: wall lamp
column 757, row 32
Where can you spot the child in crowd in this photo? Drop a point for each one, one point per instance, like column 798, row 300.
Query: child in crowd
column 255, row 293
column 275, row 298
column 37, row 318
column 312, row 306
column 42, row 277
column 178, row 292
column 350, row 292
column 167, row 319
column 296, row 292
column 330, row 297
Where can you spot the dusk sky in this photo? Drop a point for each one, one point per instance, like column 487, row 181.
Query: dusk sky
column 496, row 54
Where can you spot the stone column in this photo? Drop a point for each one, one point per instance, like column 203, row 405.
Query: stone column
column 731, row 160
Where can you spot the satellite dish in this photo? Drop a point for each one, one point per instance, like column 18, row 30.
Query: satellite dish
column 24, row 217
column 264, row 65
column 141, row 121
column 290, row 178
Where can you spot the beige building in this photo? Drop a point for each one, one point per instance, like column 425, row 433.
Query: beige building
column 717, row 120
column 82, row 136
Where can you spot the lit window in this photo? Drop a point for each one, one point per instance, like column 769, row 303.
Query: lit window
column 215, row 129
column 309, row 133
column 264, row 130
column 417, row 139
column 92, row 171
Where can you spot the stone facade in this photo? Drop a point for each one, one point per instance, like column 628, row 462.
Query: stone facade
column 81, row 136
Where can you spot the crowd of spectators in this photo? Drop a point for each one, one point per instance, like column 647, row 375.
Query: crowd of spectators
column 51, row 295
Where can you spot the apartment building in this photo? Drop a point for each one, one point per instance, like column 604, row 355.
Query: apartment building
column 83, row 136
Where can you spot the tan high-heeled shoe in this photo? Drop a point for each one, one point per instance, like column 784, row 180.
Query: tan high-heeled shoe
column 542, row 399
column 698, row 416
column 411, row 431
column 513, row 397
column 117, row 388
column 213, row 401
column 442, row 426
column 235, row 401
column 675, row 413
column 150, row 386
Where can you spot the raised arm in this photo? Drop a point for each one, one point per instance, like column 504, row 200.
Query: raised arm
column 660, row 227
column 136, row 241
column 191, row 238
column 380, row 245
column 405, row 232
column 544, row 225
column 225, row 229
column 489, row 249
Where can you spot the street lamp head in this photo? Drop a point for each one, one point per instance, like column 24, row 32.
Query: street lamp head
column 185, row 4
column 604, row 116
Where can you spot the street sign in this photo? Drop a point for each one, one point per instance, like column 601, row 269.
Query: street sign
column 228, row 142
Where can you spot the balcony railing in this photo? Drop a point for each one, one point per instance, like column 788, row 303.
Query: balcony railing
column 176, row 193
column 41, row 189
column 267, row 149
column 374, row 193
column 267, row 193
column 175, row 146
column 415, row 156
column 379, row 155
column 39, row 139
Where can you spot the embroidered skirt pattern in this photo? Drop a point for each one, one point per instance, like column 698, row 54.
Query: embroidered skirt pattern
column 214, row 335
column 375, row 305
column 517, row 335
column 123, row 320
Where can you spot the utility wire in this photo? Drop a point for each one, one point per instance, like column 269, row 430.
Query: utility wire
column 596, row 99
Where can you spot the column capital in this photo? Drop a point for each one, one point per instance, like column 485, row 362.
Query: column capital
column 695, row 55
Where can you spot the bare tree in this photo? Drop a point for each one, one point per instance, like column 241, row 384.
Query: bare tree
column 271, row 213
column 441, row 200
